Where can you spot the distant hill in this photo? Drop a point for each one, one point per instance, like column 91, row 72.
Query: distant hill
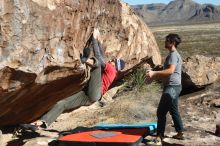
column 178, row 11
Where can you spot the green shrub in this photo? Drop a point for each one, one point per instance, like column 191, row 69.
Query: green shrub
column 136, row 80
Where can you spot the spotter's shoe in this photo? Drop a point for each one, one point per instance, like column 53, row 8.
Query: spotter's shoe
column 179, row 136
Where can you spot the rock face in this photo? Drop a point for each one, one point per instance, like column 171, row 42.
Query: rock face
column 149, row 13
column 199, row 71
column 40, row 43
column 206, row 12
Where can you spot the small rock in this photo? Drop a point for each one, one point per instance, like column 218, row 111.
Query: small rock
column 42, row 143
column 217, row 103
column 215, row 114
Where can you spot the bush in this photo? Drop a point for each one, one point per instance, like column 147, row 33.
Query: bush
column 136, row 79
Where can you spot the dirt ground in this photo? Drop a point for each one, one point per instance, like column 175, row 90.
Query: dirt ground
column 198, row 113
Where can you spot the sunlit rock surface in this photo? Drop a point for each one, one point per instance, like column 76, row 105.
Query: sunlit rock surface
column 200, row 71
column 40, row 43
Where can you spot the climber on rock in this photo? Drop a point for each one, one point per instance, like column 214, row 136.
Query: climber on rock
column 102, row 74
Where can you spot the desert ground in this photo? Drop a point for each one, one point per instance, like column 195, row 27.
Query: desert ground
column 197, row 39
column 137, row 103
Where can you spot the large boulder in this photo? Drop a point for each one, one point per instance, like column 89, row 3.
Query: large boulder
column 200, row 71
column 40, row 43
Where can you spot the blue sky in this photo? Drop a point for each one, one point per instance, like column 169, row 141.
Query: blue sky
column 134, row 2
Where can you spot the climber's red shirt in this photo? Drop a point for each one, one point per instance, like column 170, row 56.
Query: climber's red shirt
column 108, row 76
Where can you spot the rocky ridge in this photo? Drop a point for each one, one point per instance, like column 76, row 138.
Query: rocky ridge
column 178, row 11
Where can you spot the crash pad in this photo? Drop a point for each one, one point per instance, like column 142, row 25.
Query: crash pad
column 152, row 126
column 114, row 137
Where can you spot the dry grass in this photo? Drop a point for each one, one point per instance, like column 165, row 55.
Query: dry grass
column 202, row 39
column 135, row 106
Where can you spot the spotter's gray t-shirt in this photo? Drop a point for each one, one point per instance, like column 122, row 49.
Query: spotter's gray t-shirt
column 173, row 58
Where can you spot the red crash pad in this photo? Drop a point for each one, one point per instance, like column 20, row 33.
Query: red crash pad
column 117, row 137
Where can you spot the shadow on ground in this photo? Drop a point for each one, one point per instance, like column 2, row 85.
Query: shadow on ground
column 19, row 136
column 173, row 144
column 19, row 139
